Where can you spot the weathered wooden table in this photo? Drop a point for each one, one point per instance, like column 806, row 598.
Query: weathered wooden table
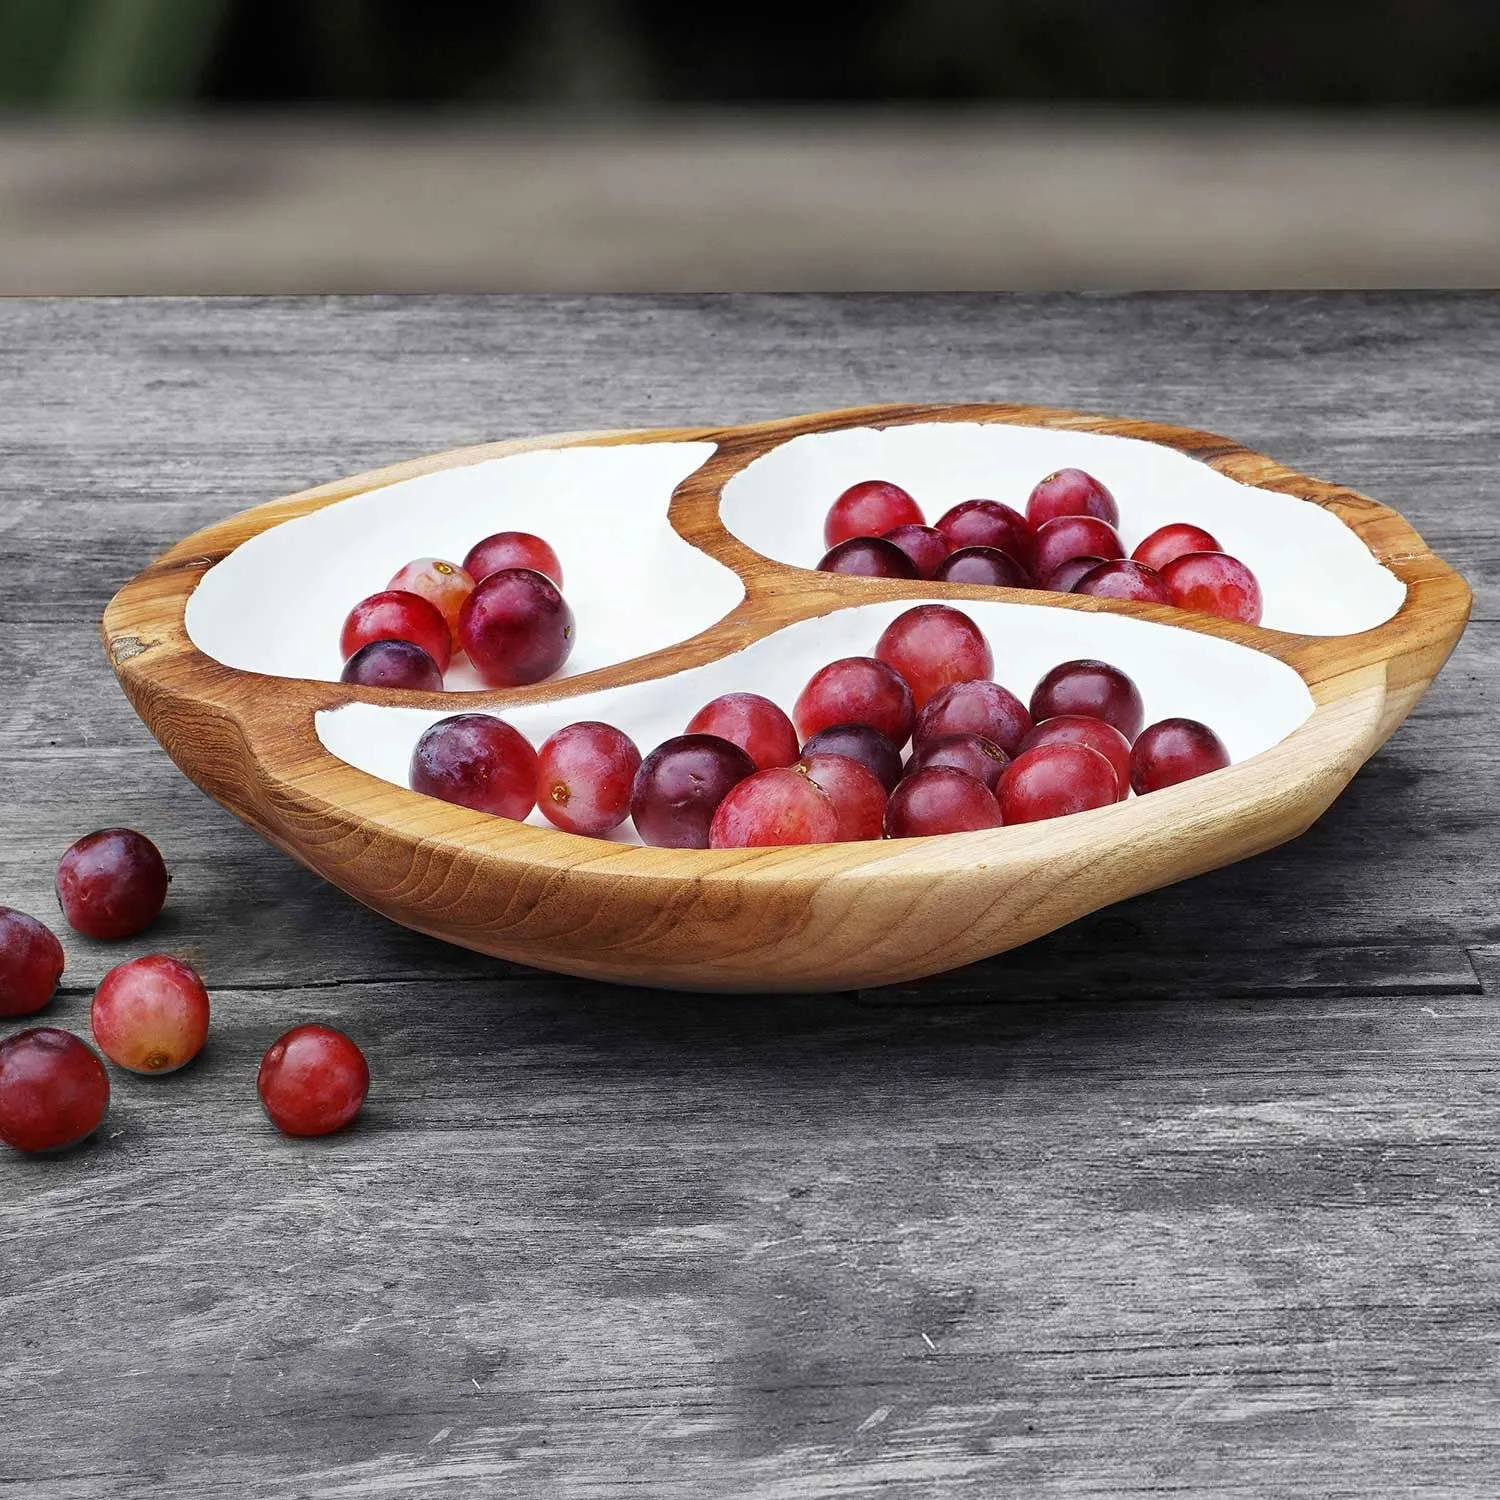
column 1198, row 1196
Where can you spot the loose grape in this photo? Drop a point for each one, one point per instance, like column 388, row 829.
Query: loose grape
column 1065, row 575
column 1174, row 750
column 870, row 508
column 856, row 690
column 933, row 645
column 773, row 808
column 981, row 707
column 31, row 963
column 868, row 557
column 516, row 627
column 395, row 615
column 53, row 1090
column 442, row 584
column 512, row 549
column 1121, row 579
column 1074, row 536
column 680, row 785
column 925, row 545
column 940, row 800
column 862, row 743
column 393, row 664
column 1070, row 492
column 857, row 794
column 112, row 884
column 964, row 752
column 1090, row 687
column 313, row 1081
column 1081, row 729
column 584, row 776
column 478, row 761
column 987, row 523
column 986, row 565
column 1054, row 780
column 1169, row 542
column 753, row 723
column 1214, row 583
column 150, row 1015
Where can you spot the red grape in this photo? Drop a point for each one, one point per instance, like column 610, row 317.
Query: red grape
column 856, row 690
column 393, row 664
column 964, row 752
column 855, row 791
column 933, row 645
column 442, row 584
column 987, row 523
column 112, row 884
column 870, row 508
column 1174, row 750
column 1065, row 575
column 1081, row 729
column 1214, row 583
column 680, row 785
column 1070, row 492
column 512, row 549
column 313, row 1081
column 981, row 707
column 773, row 808
column 584, row 775
column 753, row 723
column 516, row 627
column 150, row 1015
column 940, row 800
column 53, row 1090
column 1168, row 542
column 1090, row 687
column 862, row 743
column 478, row 761
column 868, row 557
column 925, row 545
column 1054, row 780
column 31, row 963
column 395, row 615
column 1074, row 536
column 987, row 565
column 1121, row 579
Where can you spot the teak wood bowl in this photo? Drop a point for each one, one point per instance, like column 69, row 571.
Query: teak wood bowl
column 670, row 540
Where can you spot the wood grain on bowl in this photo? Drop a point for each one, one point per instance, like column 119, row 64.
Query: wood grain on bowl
column 806, row 918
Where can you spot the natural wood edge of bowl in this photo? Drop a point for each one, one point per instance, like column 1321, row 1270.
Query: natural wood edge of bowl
column 806, row 918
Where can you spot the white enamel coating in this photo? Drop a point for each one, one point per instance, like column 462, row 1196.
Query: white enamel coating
column 1316, row 576
column 276, row 604
column 1253, row 701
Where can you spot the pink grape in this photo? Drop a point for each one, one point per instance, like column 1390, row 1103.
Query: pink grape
column 868, row 557
column 1074, row 536
column 870, row 508
column 987, row 523
column 150, row 1015
column 1081, row 729
column 1174, row 750
column 933, row 645
column 442, row 584
column 1214, row 583
column 774, row 808
column 856, row 793
column 584, row 776
column 395, row 615
column 1054, row 781
column 1090, row 687
column 1169, row 542
column 856, row 690
column 512, row 549
column 753, row 723
column 940, row 800
column 924, row 545
column 1070, row 492
column 478, row 761
column 680, row 785
column 1122, row 579
column 312, row 1081
column 964, row 752
column 980, row 707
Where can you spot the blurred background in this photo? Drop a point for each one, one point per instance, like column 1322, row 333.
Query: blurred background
column 353, row 145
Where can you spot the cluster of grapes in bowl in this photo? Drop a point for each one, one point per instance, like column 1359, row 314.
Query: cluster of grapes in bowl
column 1067, row 542
column 148, row 1015
column 503, row 606
column 744, row 773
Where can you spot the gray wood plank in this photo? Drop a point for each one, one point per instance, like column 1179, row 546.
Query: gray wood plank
column 1207, row 1206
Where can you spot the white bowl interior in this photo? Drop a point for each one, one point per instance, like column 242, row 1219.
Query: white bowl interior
column 1316, row 576
column 1253, row 701
column 277, row 604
